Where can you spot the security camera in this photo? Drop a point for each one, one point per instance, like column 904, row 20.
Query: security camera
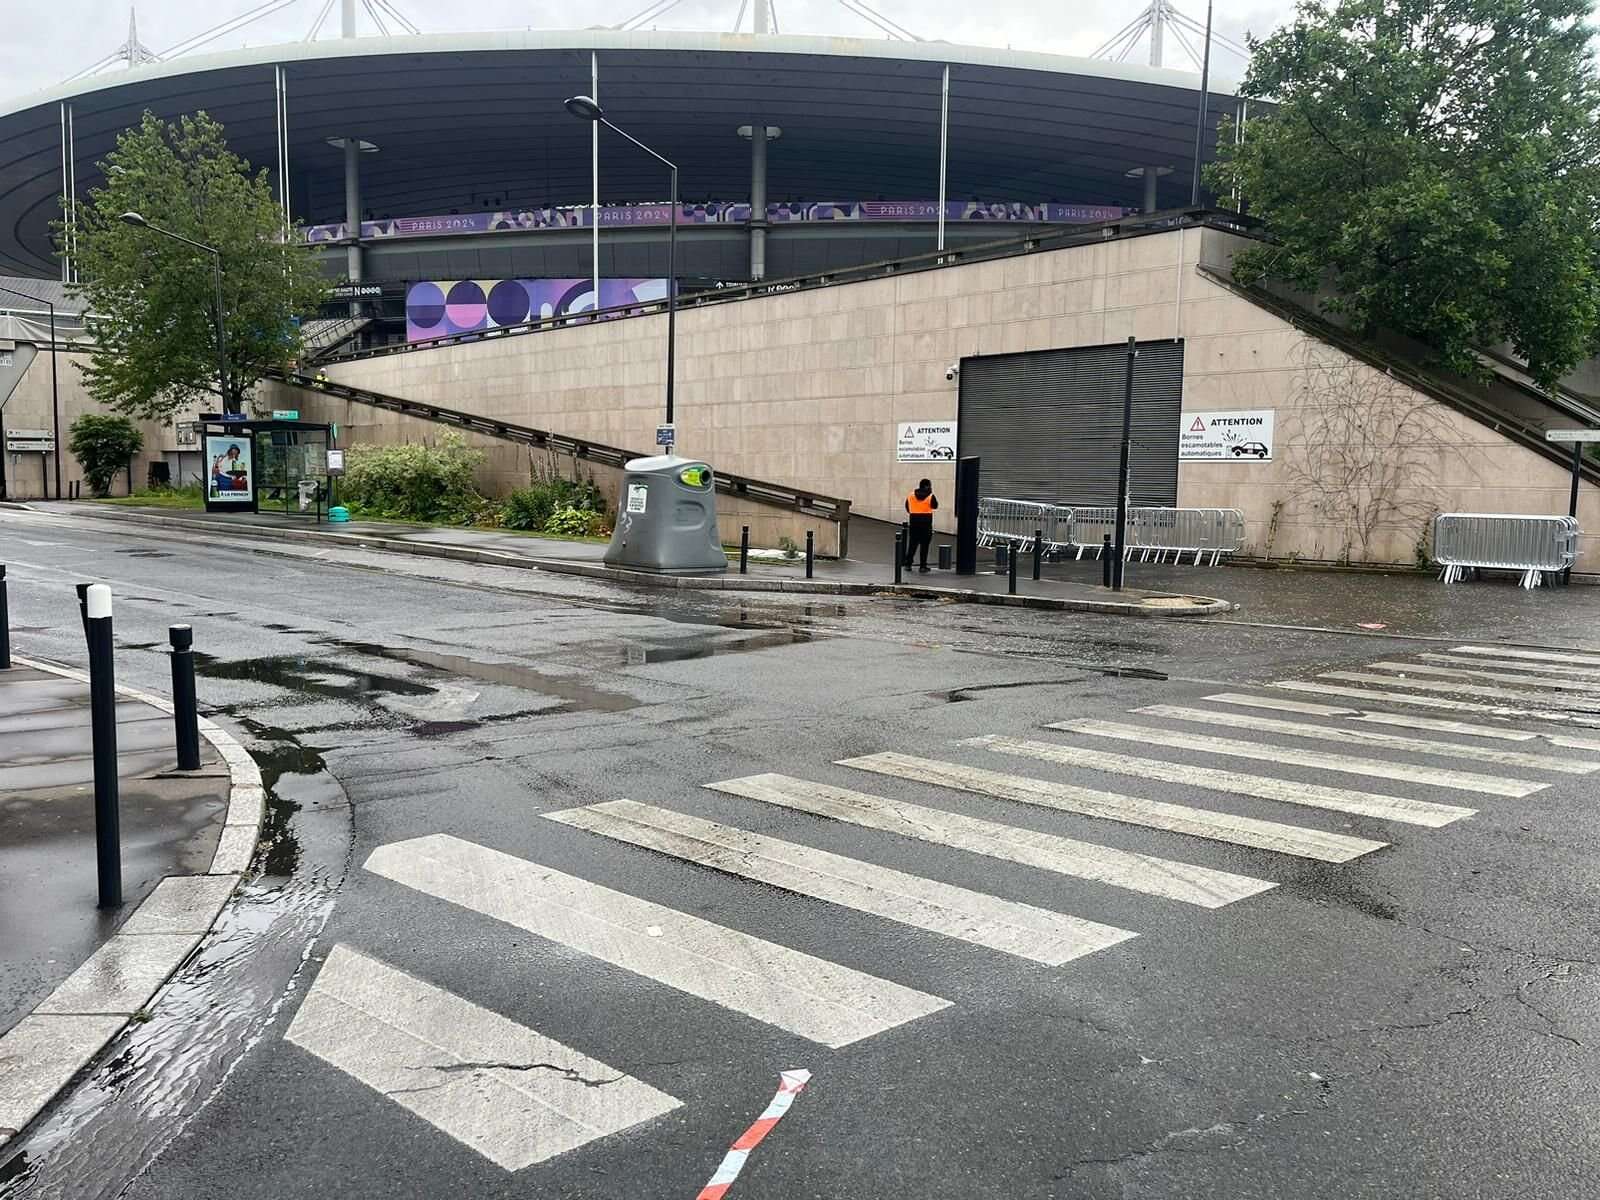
column 952, row 370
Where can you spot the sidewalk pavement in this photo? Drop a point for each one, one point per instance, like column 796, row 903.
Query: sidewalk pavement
column 75, row 974
column 1063, row 587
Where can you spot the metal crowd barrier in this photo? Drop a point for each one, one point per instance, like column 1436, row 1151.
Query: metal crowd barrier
column 1504, row 542
column 1014, row 522
column 1158, row 532
column 1152, row 532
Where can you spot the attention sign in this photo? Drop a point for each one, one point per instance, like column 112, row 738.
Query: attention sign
column 1242, row 435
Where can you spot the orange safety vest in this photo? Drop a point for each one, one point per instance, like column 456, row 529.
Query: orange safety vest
column 920, row 506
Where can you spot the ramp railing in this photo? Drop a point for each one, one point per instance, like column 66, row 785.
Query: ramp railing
column 1531, row 545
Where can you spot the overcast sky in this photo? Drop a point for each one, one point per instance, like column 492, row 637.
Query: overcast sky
column 46, row 42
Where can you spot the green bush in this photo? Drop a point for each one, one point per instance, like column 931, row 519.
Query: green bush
column 103, row 444
column 575, row 522
column 531, row 507
column 415, row 482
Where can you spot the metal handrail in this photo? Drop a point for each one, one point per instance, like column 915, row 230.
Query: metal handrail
column 758, row 491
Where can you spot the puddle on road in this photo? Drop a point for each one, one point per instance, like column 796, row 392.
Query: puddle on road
column 313, row 676
column 579, row 696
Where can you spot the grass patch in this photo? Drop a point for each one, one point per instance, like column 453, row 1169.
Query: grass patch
column 184, row 497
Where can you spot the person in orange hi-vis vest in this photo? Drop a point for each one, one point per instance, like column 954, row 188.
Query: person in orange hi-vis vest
column 920, row 507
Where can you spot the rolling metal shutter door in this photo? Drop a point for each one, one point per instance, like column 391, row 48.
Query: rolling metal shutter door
column 1048, row 424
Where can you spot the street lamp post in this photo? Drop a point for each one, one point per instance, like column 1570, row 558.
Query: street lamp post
column 586, row 109
column 229, row 404
column 55, row 392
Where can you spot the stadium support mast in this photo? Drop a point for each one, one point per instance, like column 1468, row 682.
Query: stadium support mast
column 1159, row 19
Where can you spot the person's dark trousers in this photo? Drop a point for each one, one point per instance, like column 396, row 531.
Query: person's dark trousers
column 920, row 537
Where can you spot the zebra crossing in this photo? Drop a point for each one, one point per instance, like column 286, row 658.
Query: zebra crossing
column 519, row 1096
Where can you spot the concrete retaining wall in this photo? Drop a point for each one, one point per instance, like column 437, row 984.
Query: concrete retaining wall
column 806, row 388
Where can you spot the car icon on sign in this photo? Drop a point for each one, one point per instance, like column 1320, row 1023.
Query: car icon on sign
column 1256, row 448
column 941, row 452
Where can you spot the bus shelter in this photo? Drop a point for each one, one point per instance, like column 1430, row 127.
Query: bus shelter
column 277, row 466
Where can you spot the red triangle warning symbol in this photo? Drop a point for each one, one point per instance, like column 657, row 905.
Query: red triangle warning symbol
column 1199, row 426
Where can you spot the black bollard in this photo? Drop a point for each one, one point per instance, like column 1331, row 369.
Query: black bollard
column 103, row 725
column 5, row 624
column 1011, row 570
column 944, row 557
column 899, row 551
column 744, row 550
column 811, row 551
column 1105, row 562
column 999, row 559
column 185, row 721
column 1038, row 552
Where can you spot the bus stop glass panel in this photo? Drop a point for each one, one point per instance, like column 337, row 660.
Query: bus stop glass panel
column 292, row 475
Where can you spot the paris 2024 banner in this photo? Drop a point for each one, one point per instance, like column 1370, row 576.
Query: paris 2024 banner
column 443, row 308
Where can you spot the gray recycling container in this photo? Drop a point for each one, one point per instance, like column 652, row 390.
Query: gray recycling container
column 667, row 518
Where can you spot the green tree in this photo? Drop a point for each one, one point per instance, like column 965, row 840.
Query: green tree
column 152, row 299
column 103, row 444
column 1435, row 162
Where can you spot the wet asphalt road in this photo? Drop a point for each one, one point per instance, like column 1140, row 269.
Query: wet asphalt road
column 1419, row 1022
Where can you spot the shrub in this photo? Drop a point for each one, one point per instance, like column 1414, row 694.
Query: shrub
column 532, row 507
column 415, row 482
column 575, row 522
column 103, row 444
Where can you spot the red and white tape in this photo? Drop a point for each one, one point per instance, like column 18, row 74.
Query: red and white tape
column 791, row 1084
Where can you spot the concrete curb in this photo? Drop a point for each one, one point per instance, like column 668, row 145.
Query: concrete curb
column 42, row 1053
column 1156, row 606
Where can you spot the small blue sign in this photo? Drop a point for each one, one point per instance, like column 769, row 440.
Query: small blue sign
column 666, row 435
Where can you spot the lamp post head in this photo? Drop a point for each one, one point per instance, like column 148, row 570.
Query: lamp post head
column 133, row 218
column 585, row 108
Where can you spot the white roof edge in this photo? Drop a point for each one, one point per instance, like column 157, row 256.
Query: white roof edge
column 612, row 39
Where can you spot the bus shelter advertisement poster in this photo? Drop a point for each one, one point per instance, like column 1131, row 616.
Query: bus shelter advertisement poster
column 231, row 477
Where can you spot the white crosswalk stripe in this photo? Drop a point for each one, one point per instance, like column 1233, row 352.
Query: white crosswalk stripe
column 1563, row 656
column 1402, row 720
column 1367, row 737
column 1348, row 764
column 820, row 1000
column 1154, row 814
column 1531, row 682
column 1038, row 934
column 1366, row 804
column 1520, row 666
column 1416, row 700
column 1143, row 873
column 508, row 1092
column 1454, row 689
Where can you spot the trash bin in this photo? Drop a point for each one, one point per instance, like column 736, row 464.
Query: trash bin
column 667, row 518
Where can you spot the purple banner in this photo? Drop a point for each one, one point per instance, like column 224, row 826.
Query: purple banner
column 616, row 216
column 440, row 308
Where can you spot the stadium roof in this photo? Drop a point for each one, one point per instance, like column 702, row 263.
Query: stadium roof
column 463, row 118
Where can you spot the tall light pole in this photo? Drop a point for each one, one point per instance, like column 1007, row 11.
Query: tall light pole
column 586, row 109
column 229, row 404
column 55, row 393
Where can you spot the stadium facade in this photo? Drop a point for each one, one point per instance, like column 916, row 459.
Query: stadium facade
column 450, row 159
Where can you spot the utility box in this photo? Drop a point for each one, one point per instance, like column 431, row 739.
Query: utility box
column 667, row 518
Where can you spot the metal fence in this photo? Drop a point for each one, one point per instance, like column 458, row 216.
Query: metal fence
column 1152, row 532
column 1504, row 542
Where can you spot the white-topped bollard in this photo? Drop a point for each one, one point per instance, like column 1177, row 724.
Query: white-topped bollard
column 103, row 727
